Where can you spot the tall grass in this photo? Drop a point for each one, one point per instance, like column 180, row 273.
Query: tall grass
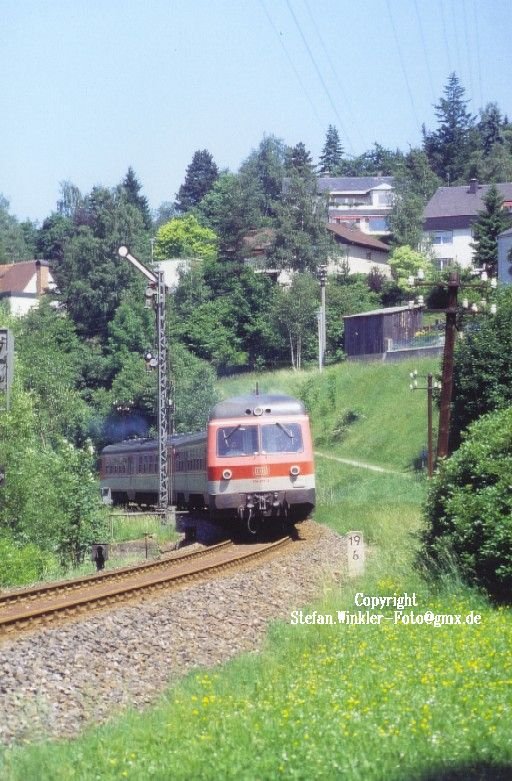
column 359, row 702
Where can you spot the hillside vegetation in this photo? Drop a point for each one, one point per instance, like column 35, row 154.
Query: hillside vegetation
column 359, row 702
column 359, row 411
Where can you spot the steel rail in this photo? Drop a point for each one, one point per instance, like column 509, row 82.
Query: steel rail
column 65, row 586
column 16, row 617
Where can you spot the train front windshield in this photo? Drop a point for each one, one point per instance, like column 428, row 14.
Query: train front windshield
column 254, row 440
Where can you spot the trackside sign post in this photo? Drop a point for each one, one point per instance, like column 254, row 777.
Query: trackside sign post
column 355, row 554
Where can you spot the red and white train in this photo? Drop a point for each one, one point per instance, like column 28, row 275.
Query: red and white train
column 254, row 464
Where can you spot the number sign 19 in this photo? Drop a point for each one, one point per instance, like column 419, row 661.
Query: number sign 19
column 355, row 551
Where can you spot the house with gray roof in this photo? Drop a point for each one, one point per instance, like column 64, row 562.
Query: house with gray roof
column 361, row 202
column 449, row 216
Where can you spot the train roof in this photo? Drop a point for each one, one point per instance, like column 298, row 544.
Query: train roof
column 142, row 445
column 257, row 404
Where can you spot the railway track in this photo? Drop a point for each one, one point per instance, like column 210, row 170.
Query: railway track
column 31, row 608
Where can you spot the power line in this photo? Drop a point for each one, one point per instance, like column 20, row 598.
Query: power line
column 319, row 74
column 446, row 41
column 476, row 27
column 468, row 51
column 425, row 50
column 335, row 73
column 406, row 78
column 292, row 64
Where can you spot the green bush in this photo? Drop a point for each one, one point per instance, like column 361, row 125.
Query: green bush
column 23, row 564
column 469, row 507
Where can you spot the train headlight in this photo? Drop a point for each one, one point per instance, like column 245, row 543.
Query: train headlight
column 295, row 470
column 227, row 474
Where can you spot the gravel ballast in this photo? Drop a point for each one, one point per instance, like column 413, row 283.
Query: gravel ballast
column 56, row 681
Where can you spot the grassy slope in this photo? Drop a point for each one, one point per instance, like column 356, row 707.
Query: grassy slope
column 361, row 702
column 391, row 426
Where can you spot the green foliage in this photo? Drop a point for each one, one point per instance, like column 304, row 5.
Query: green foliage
column 449, row 147
column 294, row 314
column 184, row 237
column 199, row 179
column 331, row 159
column 483, row 366
column 469, row 507
column 23, row 564
column 49, row 357
column 231, row 209
column 90, row 275
column 406, row 262
column 490, row 222
column 301, row 241
column 194, row 389
column 131, row 188
column 414, row 185
column 298, row 161
column 50, row 497
column 264, row 168
column 17, row 240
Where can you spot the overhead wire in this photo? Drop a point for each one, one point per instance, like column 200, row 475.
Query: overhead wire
column 404, row 71
column 321, row 78
column 476, row 27
column 292, row 64
column 425, row 50
column 468, row 52
column 446, row 39
column 455, row 35
column 335, row 74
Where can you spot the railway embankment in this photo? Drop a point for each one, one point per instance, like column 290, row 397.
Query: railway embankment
column 56, row 681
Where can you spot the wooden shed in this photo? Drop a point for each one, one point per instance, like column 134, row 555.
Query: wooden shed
column 371, row 334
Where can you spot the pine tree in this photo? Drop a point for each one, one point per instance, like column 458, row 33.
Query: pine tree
column 132, row 187
column 490, row 223
column 490, row 127
column 449, row 147
column 299, row 161
column 331, row 159
column 201, row 175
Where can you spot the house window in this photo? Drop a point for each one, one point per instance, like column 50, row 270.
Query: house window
column 442, row 263
column 383, row 198
column 368, row 255
column 378, row 224
column 442, row 237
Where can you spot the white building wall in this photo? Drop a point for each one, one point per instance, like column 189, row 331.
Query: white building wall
column 504, row 264
column 459, row 250
column 360, row 261
column 20, row 306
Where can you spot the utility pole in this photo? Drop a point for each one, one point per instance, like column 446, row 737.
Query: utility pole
column 453, row 285
column 431, row 386
column 155, row 296
column 6, row 363
column 450, row 334
column 322, row 340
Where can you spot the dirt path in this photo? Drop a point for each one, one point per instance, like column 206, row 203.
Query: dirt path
column 360, row 464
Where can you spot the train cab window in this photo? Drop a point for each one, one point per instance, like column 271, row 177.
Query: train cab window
column 281, row 438
column 237, row 441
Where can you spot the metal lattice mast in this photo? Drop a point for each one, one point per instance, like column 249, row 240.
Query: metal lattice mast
column 163, row 471
column 157, row 286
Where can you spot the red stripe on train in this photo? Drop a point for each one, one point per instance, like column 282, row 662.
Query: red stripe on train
column 250, row 471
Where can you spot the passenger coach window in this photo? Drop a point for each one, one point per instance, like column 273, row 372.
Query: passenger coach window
column 237, row 441
column 281, row 438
